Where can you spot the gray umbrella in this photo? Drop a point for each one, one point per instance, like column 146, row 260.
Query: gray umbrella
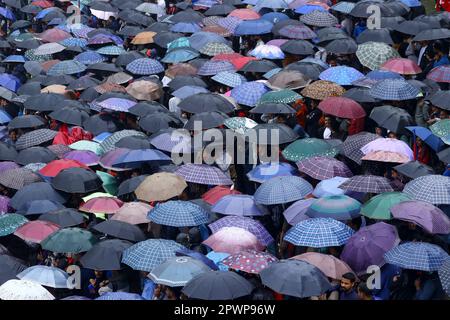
column 361, row 9
column 162, row 39
column 105, row 255
column 34, row 155
column 65, row 218
column 6, row 94
column 44, row 102
column 391, row 22
column 434, row 21
column 83, row 83
column 398, row 7
column 158, row 27
column 35, row 191
column 441, row 99
column 219, row 10
column 207, row 120
column 311, row 70
column 342, row 46
column 298, row 47
column 102, row 123
column 217, row 285
column 130, row 31
column 7, row 152
column 59, row 79
column 199, row 39
column 121, row 230
column 411, row 27
column 444, row 155
column 128, row 57
column 359, row 95
column 34, row 68
column 129, row 186
column 159, row 121
column 134, row 143
column 259, row 66
column 432, row 34
column 273, row 108
column 376, row 35
column 391, row 118
column 204, row 102
column 281, row 24
column 187, row 16
column 10, row 268
column 70, row 115
column 77, row 180
column 414, row 169
column 142, row 109
column 26, row 121
column 30, row 88
column 182, row 81
column 267, row 131
column 295, row 278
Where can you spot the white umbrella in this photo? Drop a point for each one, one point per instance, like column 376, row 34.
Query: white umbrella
column 45, row 276
column 104, row 15
column 49, row 48
column 23, row 290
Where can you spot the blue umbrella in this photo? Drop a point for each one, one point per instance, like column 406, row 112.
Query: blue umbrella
column 146, row 255
column 394, row 89
column 101, row 137
column 74, row 42
column 249, row 93
column 271, row 73
column 188, row 91
column 89, row 57
column 238, row 205
column 120, row 296
column 341, row 75
column 135, row 158
column 428, row 137
column 319, row 233
column 44, row 12
column 180, row 55
column 185, row 27
column 15, row 59
column 200, row 39
column 383, row 75
column 178, row 214
column 145, row 66
column 444, row 276
column 280, row 190
column 272, row 4
column 266, row 171
column 198, row 256
column 230, row 79
column 329, row 187
column 9, row 81
column 417, row 256
column 411, row 3
column 66, row 67
column 217, row 257
column 308, row 8
column 253, row 27
column 275, row 17
column 211, row 68
column 343, row 6
column 5, row 12
column 4, row 117
column 111, row 50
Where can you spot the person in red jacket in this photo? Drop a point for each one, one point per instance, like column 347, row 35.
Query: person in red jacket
column 443, row 5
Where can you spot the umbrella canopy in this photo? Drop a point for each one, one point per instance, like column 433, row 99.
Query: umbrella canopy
column 23, row 290
column 10, row 222
column 444, row 276
column 160, row 187
column 105, row 255
column 233, row 240
column 267, row 51
column 342, row 107
column 63, row 217
column 18, row 178
column 145, row 66
column 264, row 172
column 319, row 18
column 320, row 90
column 440, row 74
column 389, row 145
column 379, row 206
column 205, row 102
column 108, row 205
column 428, row 137
column 239, row 205
column 339, row 207
column 373, row 54
column 368, row 245
column 367, row 184
column 295, row 278
column 414, row 169
column 36, row 191
column 69, row 240
column 298, row 32
column 307, row 148
column 35, row 138
column 10, row 267
column 45, row 276
column 401, row 66
column 417, row 256
column 133, row 213
column 297, row 211
column 434, row 189
column 121, row 230
column 178, row 214
column 351, row 147
column 440, row 129
column 322, row 168
column 341, row 75
column 120, row 296
column 319, row 233
column 249, row 261
column 203, row 174
column 76, row 180
column 394, row 89
column 36, row 231
column 284, row 189
column 331, row 266
column 215, row 194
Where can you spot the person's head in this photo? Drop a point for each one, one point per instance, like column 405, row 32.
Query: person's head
column 392, row 135
column 348, row 281
column 440, row 48
column 379, row 131
column 194, row 235
column 443, row 114
column 183, row 239
column 171, row 293
column 98, row 273
column 364, row 293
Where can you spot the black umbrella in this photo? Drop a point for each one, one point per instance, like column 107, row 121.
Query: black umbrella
column 187, row 16
column 127, row 57
column 65, row 218
column 432, row 34
column 329, row 34
column 105, row 255
column 10, row 268
column 136, row 18
column 198, row 62
column 391, row 22
column 26, row 121
column 4, row 44
column 233, row 2
column 70, row 115
column 444, row 155
column 298, row 47
column 20, row 24
column 36, row 191
column 259, row 66
column 63, row 79
column 7, row 152
column 218, row 285
column 77, row 180
column 30, row 88
column 134, row 143
column 83, row 83
column 342, row 46
column 100, row 31
column 411, row 27
column 273, row 108
column 162, row 39
column 122, row 5
column 414, row 169
column 13, row 3
column 219, row 10
column 391, row 118
column 427, row 86
column 129, row 185
column 35, row 155
column 359, row 95
column 158, row 27
column 102, row 6
column 142, row 109
column 89, row 95
column 27, row 44
column 398, row 7
column 267, row 131
column 159, row 121
column 281, row 24
column 204, row 102
column 130, row 31
column 441, row 99
column 376, row 35
column 311, row 70
column 181, row 81
column 121, row 230
column 38, row 207
column 104, row 67
column 361, row 9
column 207, row 120
column 44, row 102
column 434, row 21
column 102, row 123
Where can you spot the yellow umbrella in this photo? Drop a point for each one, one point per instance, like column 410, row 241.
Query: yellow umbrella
column 54, row 88
column 145, row 37
column 160, row 187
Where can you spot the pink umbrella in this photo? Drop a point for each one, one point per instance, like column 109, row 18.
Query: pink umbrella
column 249, row 261
column 331, row 266
column 54, row 35
column 36, row 231
column 388, row 144
column 133, row 213
column 233, row 240
column 108, row 205
column 277, row 42
column 245, row 14
column 386, row 156
column 401, row 65
column 297, row 3
column 110, row 157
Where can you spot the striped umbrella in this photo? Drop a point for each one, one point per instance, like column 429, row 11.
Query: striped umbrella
column 284, row 189
column 203, row 174
column 322, row 168
column 178, row 214
column 340, row 207
column 432, row 188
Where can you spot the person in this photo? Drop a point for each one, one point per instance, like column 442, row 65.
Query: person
column 428, row 287
column 347, row 287
column 441, row 53
column 421, row 151
column 313, row 120
column 364, row 293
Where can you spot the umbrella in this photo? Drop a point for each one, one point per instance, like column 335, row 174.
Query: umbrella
column 204, row 102
column 432, row 188
column 359, row 95
column 108, row 205
column 394, row 89
column 340, row 207
column 10, row 267
column 440, row 74
column 205, row 120
column 444, row 276
column 367, row 184
column 342, row 107
column 249, row 261
column 7, row 152
column 308, row 147
column 117, row 104
column 239, row 205
column 267, row 51
column 288, row 80
column 18, row 178
column 188, row 91
column 295, row 278
column 119, row 296
column 49, row 48
column 368, row 245
column 54, row 167
column 45, row 276
column 414, row 169
column 180, row 55
column 441, row 129
column 133, row 213
column 36, row 191
column 240, row 125
column 76, row 180
column 379, row 206
column 213, row 67
column 253, row 27
column 160, row 187
column 323, row 168
column 215, row 194
column 203, row 174
column 391, row 118
column 258, row 66
column 88, row 158
column 233, row 240
column 299, row 32
column 373, row 54
column 245, row 14
column 389, row 145
column 284, row 189
column 178, row 214
column 70, row 240
column 89, row 58
column 297, row 211
column 217, row 285
column 381, row 35
column 135, row 158
column 341, row 75
column 145, row 66
column 280, row 96
column 343, row 7
column 146, row 255
column 319, row 18
column 35, row 154
column 87, row 145
column 109, row 143
column 417, row 256
column 342, row 46
column 331, row 266
column 63, row 217
column 264, row 172
column 249, row 93
column 432, row 34
column 23, row 290
column 10, row 222
column 121, row 230
column 7, row 94
column 105, row 255
column 36, row 231
column 444, row 155
column 66, row 67
column 401, row 66
column 321, row 89
column 9, row 82
column 144, row 90
column 35, row 138
column 427, row 136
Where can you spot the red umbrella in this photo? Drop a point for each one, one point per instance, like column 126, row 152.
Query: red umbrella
column 55, row 166
column 36, row 231
column 221, row 31
column 217, row 193
column 108, row 205
column 440, row 74
column 245, row 14
column 54, row 35
column 234, row 58
column 46, row 65
column 42, row 3
column 342, row 107
column 331, row 266
column 401, row 65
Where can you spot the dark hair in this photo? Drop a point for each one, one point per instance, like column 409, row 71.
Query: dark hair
column 441, row 46
column 362, row 287
column 349, row 276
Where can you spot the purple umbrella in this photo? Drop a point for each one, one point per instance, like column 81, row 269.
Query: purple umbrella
column 88, row 158
column 323, row 168
column 296, row 212
column 368, row 245
column 248, row 224
column 423, row 214
column 110, row 157
column 4, row 205
column 8, row 165
column 238, row 205
column 117, row 104
column 203, row 174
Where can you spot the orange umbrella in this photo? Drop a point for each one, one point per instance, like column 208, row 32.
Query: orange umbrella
column 145, row 37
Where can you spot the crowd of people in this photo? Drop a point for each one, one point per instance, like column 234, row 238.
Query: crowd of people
column 349, row 170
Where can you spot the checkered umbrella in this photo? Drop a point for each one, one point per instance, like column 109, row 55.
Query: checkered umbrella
column 229, row 23
column 10, row 222
column 66, row 67
column 146, row 255
column 49, row 48
column 111, row 50
column 215, row 48
column 351, row 147
column 214, row 28
column 34, row 138
column 394, row 89
column 322, row 168
column 89, row 57
column 373, row 54
column 230, row 79
column 251, row 225
column 300, row 32
column 432, row 188
column 74, row 42
column 211, row 68
column 367, row 184
column 249, row 93
column 145, row 66
column 8, row 165
column 178, row 214
column 284, row 189
column 203, row 174
column 319, row 18
column 308, row 147
column 32, row 56
column 18, row 178
column 343, row 6
column 440, row 74
column 319, row 233
column 444, row 276
column 417, row 256
column 59, row 149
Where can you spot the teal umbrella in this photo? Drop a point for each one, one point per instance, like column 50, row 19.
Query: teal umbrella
column 339, row 207
column 10, row 222
column 109, row 182
column 307, row 148
column 69, row 240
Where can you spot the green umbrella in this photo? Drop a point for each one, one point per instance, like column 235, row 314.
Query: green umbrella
column 69, row 240
column 442, row 130
column 309, row 147
column 280, row 96
column 109, row 182
column 10, row 222
column 373, row 54
column 86, row 145
column 379, row 206
column 182, row 42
